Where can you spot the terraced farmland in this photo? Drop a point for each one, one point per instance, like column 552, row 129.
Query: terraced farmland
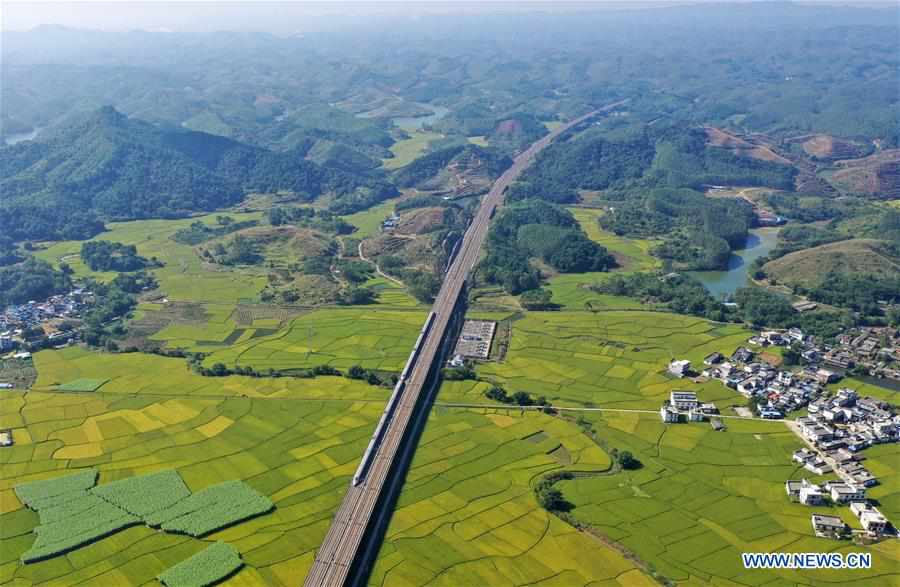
column 467, row 514
column 609, row 358
column 298, row 453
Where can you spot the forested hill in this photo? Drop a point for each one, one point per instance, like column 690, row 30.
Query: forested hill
column 105, row 165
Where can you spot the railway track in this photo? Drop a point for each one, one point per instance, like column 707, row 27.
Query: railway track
column 340, row 550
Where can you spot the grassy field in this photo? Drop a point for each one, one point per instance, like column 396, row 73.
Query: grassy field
column 632, row 254
column 611, row 358
column 467, row 514
column 571, row 290
column 184, row 276
column 375, row 338
column 368, row 222
column 407, row 150
column 300, row 454
column 703, row 497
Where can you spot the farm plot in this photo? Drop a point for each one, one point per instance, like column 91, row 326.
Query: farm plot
column 703, row 497
column 83, row 384
column 212, row 509
column 610, row 359
column 300, row 454
column 205, row 568
column 146, row 374
column 373, row 338
column 467, row 514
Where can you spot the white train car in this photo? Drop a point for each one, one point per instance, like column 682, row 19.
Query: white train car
column 392, row 404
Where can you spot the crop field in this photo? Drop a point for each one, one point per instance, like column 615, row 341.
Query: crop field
column 467, row 514
column 204, row 568
column 374, row 338
column 204, row 327
column 703, row 497
column 611, row 358
column 82, row 384
column 130, row 374
column 882, row 460
column 297, row 453
column 391, row 294
column 407, row 150
column 184, row 276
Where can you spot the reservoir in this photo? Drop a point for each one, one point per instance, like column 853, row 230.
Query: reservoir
column 724, row 283
column 412, row 124
column 12, row 139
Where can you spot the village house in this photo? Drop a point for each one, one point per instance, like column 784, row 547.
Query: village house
column 713, row 359
column 810, row 493
column 872, row 520
column 668, row 414
column 680, row 368
column 828, row 526
column 683, row 400
column 817, row 466
column 845, row 493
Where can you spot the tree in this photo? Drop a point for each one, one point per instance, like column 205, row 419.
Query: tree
column 536, row 299
column 497, row 394
column 522, row 398
column 218, row 370
column 356, row 372
column 552, row 500
column 791, row 356
column 626, row 460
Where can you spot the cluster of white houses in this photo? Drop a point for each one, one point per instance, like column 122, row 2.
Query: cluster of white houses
column 684, row 406
column 873, row 522
column 777, row 391
column 840, row 427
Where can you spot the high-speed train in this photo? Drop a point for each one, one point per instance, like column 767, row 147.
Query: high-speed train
column 392, row 404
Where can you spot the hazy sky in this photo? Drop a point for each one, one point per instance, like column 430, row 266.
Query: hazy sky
column 198, row 15
column 258, row 15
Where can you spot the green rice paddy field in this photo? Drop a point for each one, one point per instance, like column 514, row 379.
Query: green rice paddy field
column 467, row 514
column 152, row 375
column 703, row 497
column 609, row 358
column 300, row 454
column 375, row 338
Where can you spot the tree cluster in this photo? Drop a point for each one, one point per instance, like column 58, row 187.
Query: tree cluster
column 112, row 256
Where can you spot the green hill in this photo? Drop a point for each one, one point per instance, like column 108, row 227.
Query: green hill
column 106, row 165
column 807, row 267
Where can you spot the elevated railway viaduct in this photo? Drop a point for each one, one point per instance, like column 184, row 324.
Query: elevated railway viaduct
column 352, row 541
